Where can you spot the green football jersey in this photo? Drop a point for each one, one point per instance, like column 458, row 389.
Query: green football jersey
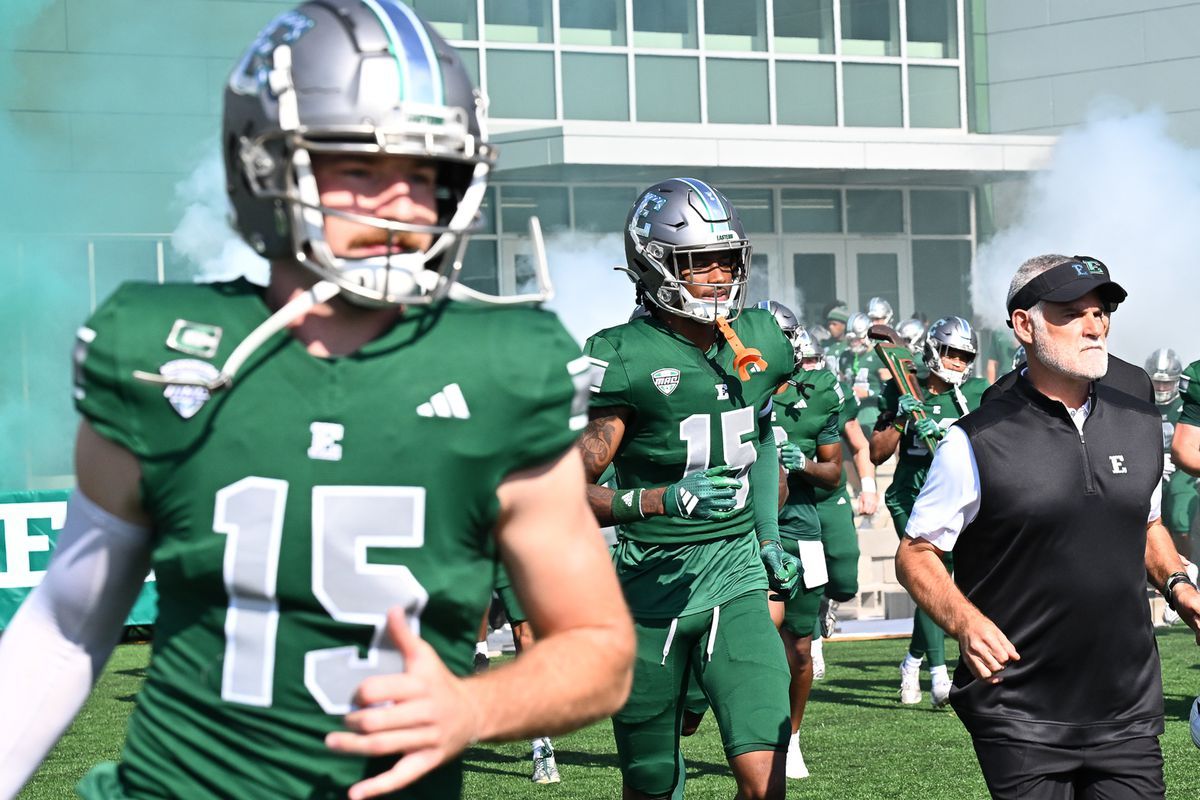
column 1170, row 413
column 1189, row 391
column 849, row 411
column 806, row 413
column 833, row 354
column 294, row 509
column 912, row 466
column 691, row 412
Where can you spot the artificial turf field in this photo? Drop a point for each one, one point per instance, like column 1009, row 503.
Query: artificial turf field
column 859, row 743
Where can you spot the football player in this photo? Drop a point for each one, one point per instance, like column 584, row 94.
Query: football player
column 861, row 370
column 879, row 311
column 949, row 351
column 682, row 409
column 322, row 511
column 1179, row 499
column 805, row 419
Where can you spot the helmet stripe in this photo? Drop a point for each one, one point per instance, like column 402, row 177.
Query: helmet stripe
column 417, row 64
column 712, row 201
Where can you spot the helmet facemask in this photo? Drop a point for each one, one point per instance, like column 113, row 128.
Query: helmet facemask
column 683, row 296
column 1165, row 389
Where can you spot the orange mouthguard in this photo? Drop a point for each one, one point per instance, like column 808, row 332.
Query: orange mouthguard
column 745, row 359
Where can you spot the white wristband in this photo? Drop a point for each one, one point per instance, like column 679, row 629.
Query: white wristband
column 869, row 486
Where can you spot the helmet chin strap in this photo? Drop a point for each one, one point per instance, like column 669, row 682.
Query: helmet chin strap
column 318, row 293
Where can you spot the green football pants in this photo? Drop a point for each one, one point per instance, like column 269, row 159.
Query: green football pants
column 841, row 546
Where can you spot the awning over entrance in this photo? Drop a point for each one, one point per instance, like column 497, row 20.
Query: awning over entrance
column 641, row 152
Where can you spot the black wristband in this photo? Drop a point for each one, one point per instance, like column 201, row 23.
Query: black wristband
column 1173, row 580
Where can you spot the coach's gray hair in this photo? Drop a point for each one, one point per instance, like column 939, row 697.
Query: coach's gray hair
column 1030, row 270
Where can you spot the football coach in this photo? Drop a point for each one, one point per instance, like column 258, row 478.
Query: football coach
column 1049, row 497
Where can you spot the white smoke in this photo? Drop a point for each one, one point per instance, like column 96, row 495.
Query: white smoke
column 589, row 294
column 204, row 236
column 1118, row 188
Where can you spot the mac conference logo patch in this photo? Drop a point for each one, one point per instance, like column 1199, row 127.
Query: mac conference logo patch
column 666, row 380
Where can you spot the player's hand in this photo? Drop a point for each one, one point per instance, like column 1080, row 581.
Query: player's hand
column 783, row 570
column 703, row 495
column 986, row 649
column 1168, row 466
column 1187, row 606
column 868, row 503
column 929, row 429
column 909, row 405
column 424, row 713
column 792, row 457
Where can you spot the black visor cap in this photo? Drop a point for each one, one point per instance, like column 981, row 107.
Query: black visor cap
column 1070, row 281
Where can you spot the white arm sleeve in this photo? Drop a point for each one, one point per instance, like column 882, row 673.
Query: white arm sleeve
column 949, row 499
column 56, row 645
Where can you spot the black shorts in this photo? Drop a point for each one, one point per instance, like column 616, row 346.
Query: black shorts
column 1127, row 770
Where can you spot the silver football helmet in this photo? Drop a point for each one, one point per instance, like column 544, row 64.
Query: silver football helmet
column 1165, row 369
column 880, row 311
column 679, row 224
column 856, row 331
column 804, row 347
column 911, row 330
column 950, row 333
column 365, row 77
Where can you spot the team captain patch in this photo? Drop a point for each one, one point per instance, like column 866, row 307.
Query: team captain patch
column 666, row 380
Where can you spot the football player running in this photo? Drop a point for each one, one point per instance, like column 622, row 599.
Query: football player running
column 949, row 351
column 805, row 420
column 861, row 370
column 682, row 409
column 322, row 513
column 1179, row 498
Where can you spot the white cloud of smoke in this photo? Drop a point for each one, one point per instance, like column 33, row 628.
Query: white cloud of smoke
column 589, row 294
column 204, row 235
column 1120, row 189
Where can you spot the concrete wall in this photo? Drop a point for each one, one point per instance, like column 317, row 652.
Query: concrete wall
column 1049, row 62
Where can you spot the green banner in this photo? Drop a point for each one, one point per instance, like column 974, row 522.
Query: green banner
column 29, row 525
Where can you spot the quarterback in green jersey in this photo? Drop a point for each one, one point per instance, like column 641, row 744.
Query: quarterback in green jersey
column 805, row 419
column 1179, row 496
column 323, row 510
column 681, row 407
column 949, row 351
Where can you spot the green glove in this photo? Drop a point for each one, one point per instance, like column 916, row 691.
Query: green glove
column 909, row 405
column 792, row 457
column 929, row 429
column 783, row 570
column 703, row 495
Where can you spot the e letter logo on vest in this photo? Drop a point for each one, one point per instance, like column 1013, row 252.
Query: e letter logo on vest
column 1118, row 465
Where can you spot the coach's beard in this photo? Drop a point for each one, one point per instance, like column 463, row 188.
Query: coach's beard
column 1087, row 362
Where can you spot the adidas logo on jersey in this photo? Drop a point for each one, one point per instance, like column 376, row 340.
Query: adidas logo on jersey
column 448, row 403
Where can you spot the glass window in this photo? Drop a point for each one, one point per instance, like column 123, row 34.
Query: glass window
column 879, row 276
column 481, row 266
column 470, row 60
column 804, row 26
column 815, row 277
column 519, row 203
column 933, row 97
column 602, row 209
column 758, row 287
column 520, row 85
column 453, row 19
column 805, row 93
column 947, row 212
column 735, row 25
column 583, row 75
column 591, row 22
column 932, row 29
column 812, row 211
column 664, row 23
column 870, row 28
column 525, row 21
column 755, row 207
column 871, row 94
column 487, row 212
column 874, row 211
column 942, row 277
column 737, row 91
column 668, row 89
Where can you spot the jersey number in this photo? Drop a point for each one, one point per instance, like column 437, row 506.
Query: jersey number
column 347, row 521
column 696, row 432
